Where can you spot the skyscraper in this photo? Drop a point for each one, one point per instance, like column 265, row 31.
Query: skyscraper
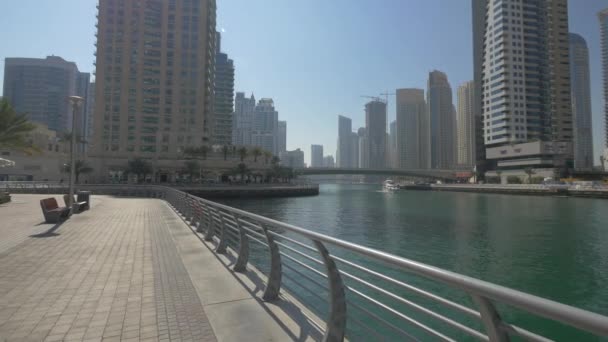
column 479, row 22
column 392, row 145
column 223, row 101
column 265, row 126
column 154, row 77
column 363, row 152
column 581, row 102
column 412, row 132
column 41, row 87
column 603, row 17
column 345, row 129
column 465, row 122
column 354, row 149
column 316, row 155
column 242, row 121
column 442, row 120
column 282, row 136
column 525, row 82
column 375, row 129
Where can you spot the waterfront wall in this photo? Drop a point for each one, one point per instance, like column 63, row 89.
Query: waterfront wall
column 517, row 189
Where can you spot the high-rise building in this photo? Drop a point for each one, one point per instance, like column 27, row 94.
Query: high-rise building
column 465, row 123
column 293, row 159
column 154, row 77
column 354, row 150
column 223, row 101
column 344, row 153
column 479, row 22
column 392, row 145
column 603, row 17
column 328, row 161
column 41, row 87
column 265, row 126
column 581, row 102
column 525, row 82
column 375, row 130
column 242, row 121
column 282, row 136
column 412, row 130
column 88, row 116
column 363, row 152
column 316, row 155
column 442, row 121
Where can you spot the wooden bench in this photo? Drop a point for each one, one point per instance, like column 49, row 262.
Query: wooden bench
column 79, row 206
column 52, row 212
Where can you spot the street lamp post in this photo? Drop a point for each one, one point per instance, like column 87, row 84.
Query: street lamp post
column 75, row 101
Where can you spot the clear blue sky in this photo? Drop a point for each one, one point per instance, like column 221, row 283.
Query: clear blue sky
column 315, row 58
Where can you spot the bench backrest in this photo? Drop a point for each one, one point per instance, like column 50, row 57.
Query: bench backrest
column 49, row 204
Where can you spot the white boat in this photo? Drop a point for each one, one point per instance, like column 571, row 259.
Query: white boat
column 390, row 185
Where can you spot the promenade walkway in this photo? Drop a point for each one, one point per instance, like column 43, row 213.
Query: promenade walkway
column 126, row 270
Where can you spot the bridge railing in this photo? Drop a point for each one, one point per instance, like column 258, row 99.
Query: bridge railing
column 364, row 293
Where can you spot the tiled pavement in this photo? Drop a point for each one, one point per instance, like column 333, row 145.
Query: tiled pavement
column 111, row 273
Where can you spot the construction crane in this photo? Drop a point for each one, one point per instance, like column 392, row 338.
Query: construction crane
column 375, row 98
column 387, row 95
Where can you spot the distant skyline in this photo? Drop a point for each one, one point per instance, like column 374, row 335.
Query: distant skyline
column 314, row 58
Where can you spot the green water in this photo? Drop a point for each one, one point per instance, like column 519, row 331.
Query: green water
column 552, row 247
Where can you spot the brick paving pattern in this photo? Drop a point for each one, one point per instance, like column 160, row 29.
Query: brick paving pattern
column 112, row 273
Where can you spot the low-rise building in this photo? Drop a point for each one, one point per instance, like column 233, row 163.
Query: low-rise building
column 293, row 159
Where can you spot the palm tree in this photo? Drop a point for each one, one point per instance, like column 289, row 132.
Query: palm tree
column 192, row 167
column 256, row 153
column 139, row 167
column 275, row 161
column 14, row 128
column 267, row 156
column 82, row 167
column 225, row 150
column 243, row 153
column 529, row 171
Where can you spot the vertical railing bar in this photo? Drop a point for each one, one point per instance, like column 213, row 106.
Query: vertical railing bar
column 491, row 319
column 273, row 286
column 240, row 264
column 336, row 322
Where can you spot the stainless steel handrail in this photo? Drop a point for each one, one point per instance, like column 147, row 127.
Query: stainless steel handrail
column 298, row 244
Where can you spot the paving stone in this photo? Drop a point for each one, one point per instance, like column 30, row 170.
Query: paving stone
column 112, row 272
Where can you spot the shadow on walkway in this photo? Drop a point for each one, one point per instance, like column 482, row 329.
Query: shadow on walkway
column 309, row 329
column 50, row 232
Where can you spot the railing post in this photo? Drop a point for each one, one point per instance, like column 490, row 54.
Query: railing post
column 210, row 223
column 221, row 246
column 241, row 262
column 273, row 286
column 491, row 319
column 336, row 322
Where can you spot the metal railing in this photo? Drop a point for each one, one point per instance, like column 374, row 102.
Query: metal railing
column 363, row 291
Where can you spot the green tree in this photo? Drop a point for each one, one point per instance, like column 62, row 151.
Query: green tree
column 243, row 152
column 139, row 167
column 256, row 152
column 82, row 167
column 225, row 150
column 530, row 172
column 14, row 129
column 275, row 161
column 192, row 167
